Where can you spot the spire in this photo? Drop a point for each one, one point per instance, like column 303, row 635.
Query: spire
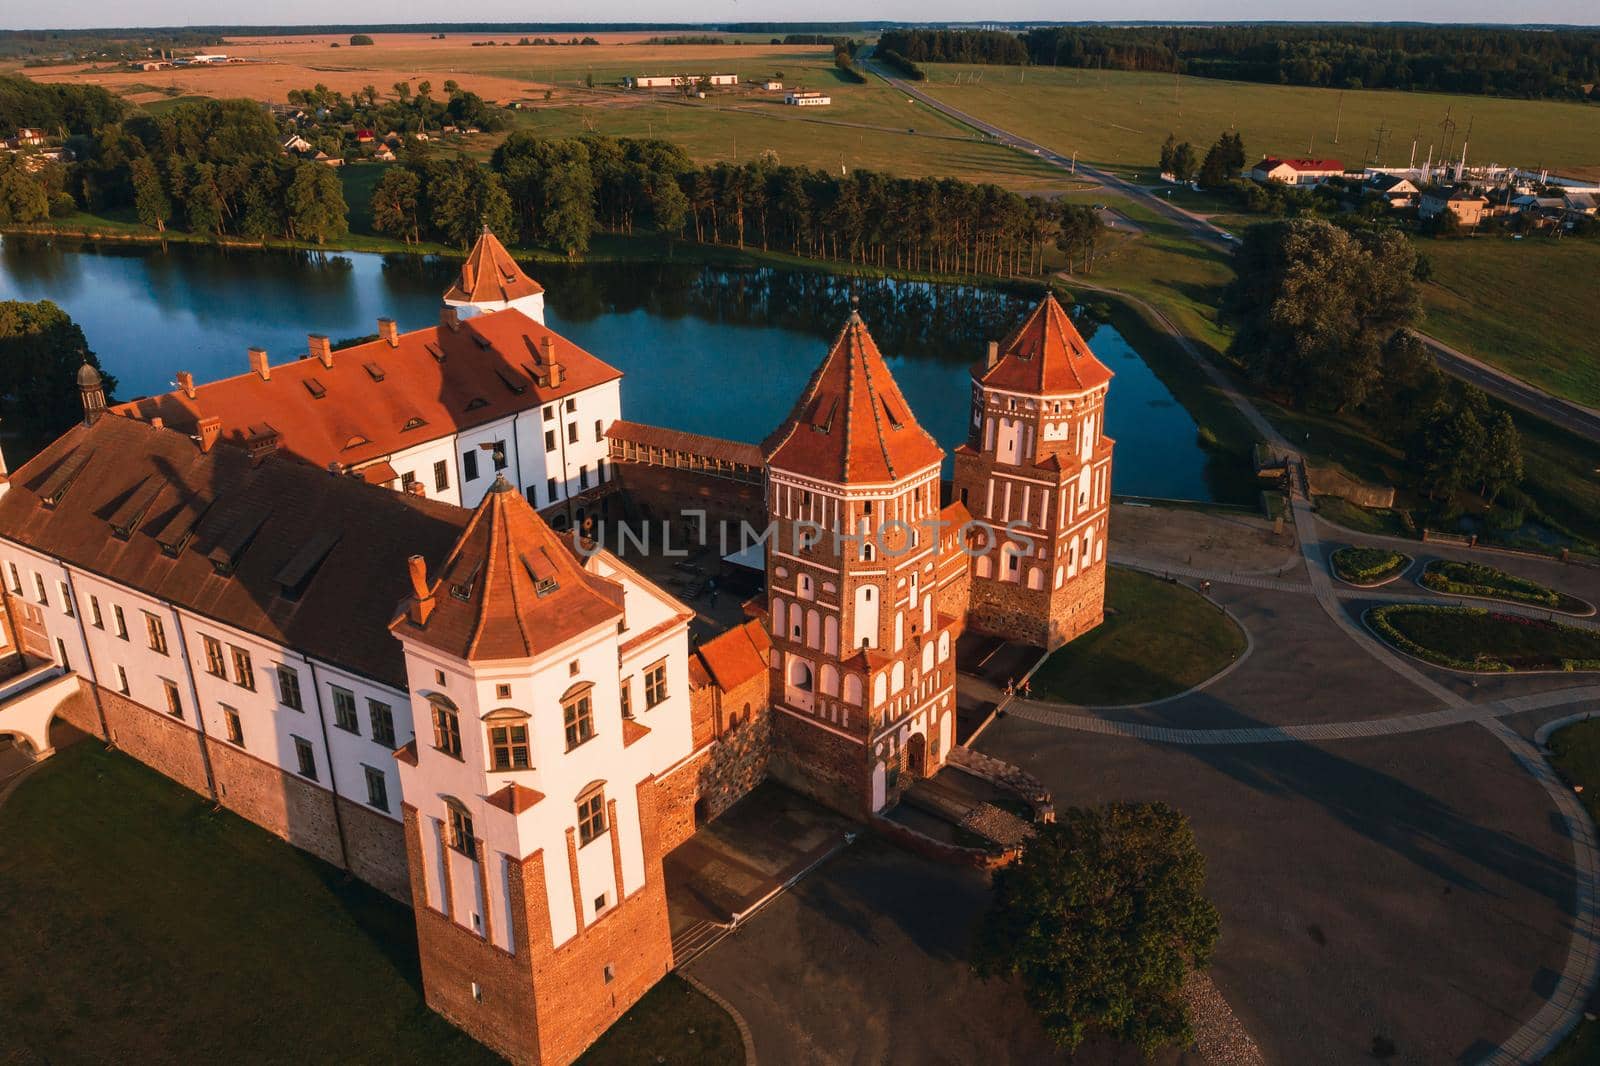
column 1044, row 356
column 91, row 390
column 490, row 275
column 511, row 588
column 852, row 424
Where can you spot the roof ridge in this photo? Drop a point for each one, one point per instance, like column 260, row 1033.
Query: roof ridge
column 877, row 418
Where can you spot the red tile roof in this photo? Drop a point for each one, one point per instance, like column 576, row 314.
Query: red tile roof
column 733, row 657
column 379, row 398
column 1045, row 356
column 490, row 275
column 511, row 588
column 293, row 554
column 515, row 798
column 728, row 451
column 852, row 424
column 1272, row 161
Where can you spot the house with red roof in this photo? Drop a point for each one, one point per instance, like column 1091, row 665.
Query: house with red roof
column 1298, row 171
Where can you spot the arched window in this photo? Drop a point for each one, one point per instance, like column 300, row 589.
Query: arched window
column 804, row 588
column 508, row 739
column 446, row 725
column 880, row 689
column 591, row 812
column 577, row 713
column 897, row 677
column 800, row 674
column 944, row 646
column 830, row 680
column 852, row 689
column 927, row 656
column 458, row 828
column 868, row 551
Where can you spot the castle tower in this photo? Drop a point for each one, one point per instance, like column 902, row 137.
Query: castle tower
column 490, row 280
column 1036, row 469
column 862, row 665
column 530, row 798
column 92, row 391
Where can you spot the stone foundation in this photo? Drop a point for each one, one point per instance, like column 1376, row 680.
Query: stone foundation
column 815, row 762
column 1045, row 618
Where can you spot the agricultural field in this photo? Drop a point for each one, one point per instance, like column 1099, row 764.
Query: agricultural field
column 1525, row 306
column 868, row 126
column 1120, row 118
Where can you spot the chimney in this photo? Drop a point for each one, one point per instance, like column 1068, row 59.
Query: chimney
column 155, row 423
column 322, row 348
column 258, row 363
column 993, row 356
column 467, row 278
column 547, row 348
column 210, row 429
column 186, row 383
column 450, row 318
column 388, row 331
column 558, row 374
column 423, row 607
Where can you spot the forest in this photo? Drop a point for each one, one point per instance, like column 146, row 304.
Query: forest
column 60, row 110
column 1555, row 64
column 1560, row 64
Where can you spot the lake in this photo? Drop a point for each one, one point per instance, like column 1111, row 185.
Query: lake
column 710, row 350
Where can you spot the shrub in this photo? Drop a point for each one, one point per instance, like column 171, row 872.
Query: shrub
column 1361, row 565
column 359, row 39
column 1475, row 579
column 1378, row 617
column 1208, row 440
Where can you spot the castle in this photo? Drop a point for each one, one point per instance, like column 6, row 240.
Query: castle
column 355, row 598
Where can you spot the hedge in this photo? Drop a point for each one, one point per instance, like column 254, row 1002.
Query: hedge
column 1475, row 579
column 1378, row 617
column 1361, row 565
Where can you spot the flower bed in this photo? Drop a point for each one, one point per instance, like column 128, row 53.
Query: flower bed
column 1475, row 579
column 1484, row 641
column 1368, row 566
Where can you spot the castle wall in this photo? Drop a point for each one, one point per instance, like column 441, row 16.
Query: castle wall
column 1044, row 618
column 658, row 492
column 819, row 763
column 723, row 770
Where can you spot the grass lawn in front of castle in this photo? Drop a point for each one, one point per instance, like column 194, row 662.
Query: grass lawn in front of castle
column 142, row 924
column 1159, row 638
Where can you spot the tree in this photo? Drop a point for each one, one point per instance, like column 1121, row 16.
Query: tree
column 357, row 39
column 1501, row 468
column 41, row 349
column 1168, row 147
column 23, row 197
column 1101, row 918
column 150, row 195
column 317, row 211
column 1314, row 306
column 1184, row 162
column 395, row 200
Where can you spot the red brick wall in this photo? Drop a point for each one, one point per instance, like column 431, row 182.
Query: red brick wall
column 376, row 846
column 506, row 1017
column 283, row 804
column 661, row 493
column 158, row 740
column 825, row 766
column 576, row 1003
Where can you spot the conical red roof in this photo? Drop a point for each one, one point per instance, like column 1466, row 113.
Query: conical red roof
column 490, row 275
column 511, row 588
column 1045, row 356
column 852, row 424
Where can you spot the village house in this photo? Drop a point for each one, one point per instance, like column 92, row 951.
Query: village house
column 1469, row 207
column 678, row 81
column 501, row 723
column 1396, row 190
column 808, row 99
column 1296, row 171
column 29, row 137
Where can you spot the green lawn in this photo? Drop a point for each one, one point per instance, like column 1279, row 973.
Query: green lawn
column 1575, row 750
column 143, row 926
column 1379, row 521
column 1474, row 638
column 1526, row 307
column 1159, row 638
column 1120, row 118
column 1476, row 579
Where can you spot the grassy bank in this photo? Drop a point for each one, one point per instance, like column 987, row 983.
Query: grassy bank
column 144, row 925
column 1159, row 639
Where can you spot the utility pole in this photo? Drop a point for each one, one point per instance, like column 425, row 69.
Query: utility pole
column 1338, row 117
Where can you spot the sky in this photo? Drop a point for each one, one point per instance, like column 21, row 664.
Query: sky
column 89, row 13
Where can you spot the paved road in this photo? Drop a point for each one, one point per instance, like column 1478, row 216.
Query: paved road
column 1572, row 417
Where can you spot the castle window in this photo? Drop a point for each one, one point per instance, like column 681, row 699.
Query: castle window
column 591, row 814
column 461, row 837
column 502, row 692
column 38, row 584
column 441, row 476
column 122, row 623
column 307, row 758
column 66, row 599
column 289, row 688
column 508, row 740
column 174, row 701
column 550, row 412
column 549, row 440
column 382, row 719
column 16, row 579
column 156, row 634
column 469, row 465
column 446, row 728
column 377, row 788
column 244, row 674
column 216, row 666
column 572, row 432
column 577, row 714
column 655, row 684
column 235, row 727
column 344, row 710
column 122, row 681
column 599, row 430
column 626, row 690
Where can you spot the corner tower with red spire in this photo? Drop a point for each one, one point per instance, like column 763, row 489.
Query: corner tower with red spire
column 862, row 660
column 490, row 280
column 1036, row 470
